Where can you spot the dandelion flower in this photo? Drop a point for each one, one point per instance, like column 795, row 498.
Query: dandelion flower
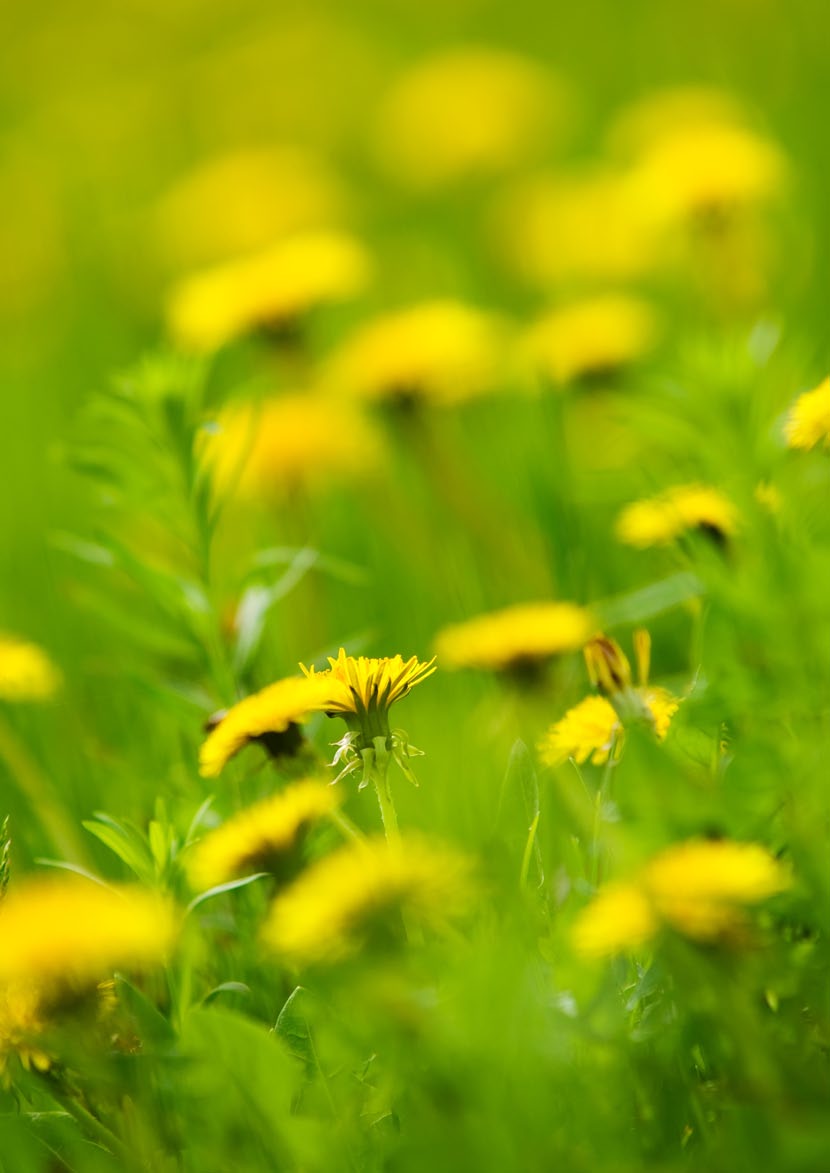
column 270, row 716
column 362, row 685
column 586, row 731
column 21, row 1024
column 357, row 896
column 664, row 112
column 525, row 634
column 443, row 352
column 269, row 290
column 808, row 421
column 26, row 672
column 588, row 338
column 271, row 450
column 265, row 837
column 620, row 917
column 657, row 521
column 59, row 932
column 465, row 113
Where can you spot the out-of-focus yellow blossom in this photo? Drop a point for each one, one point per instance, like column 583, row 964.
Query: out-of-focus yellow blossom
column 57, row 933
column 523, row 634
column 26, row 672
column 702, row 171
column 768, row 496
column 586, row 731
column 557, row 230
column 464, row 113
column 662, row 113
column 243, row 201
column 357, row 897
column 268, row 290
column 592, row 337
column 700, row 889
column 441, row 351
column 808, row 421
column 269, row 450
column 620, row 917
column 262, row 838
column 21, row 1024
column 272, row 712
column 355, row 684
column 657, row 521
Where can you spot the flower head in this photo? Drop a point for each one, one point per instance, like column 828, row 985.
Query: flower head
column 267, row 451
column 355, row 898
column 269, row 716
column 586, row 731
column 808, row 421
column 591, row 337
column 365, row 685
column 657, row 521
column 58, row 933
column 443, row 352
column 269, row 290
column 699, row 889
column 21, row 1024
column 527, row 633
column 464, row 113
column 26, row 672
column 264, row 837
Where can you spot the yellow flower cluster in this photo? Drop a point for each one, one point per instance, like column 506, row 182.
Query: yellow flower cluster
column 657, row 521
column 262, row 837
column 358, row 897
column 26, row 672
column 524, row 633
column 699, row 889
column 808, row 421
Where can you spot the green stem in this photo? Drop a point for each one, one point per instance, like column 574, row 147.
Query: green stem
column 345, row 824
column 602, row 792
column 376, row 764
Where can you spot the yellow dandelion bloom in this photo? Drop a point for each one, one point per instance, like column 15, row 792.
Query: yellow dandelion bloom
column 560, row 229
column 263, row 837
column 522, row 634
column 21, row 1024
column 356, row 897
column 440, row 351
column 244, row 200
column 269, row 290
column 464, row 113
column 664, row 112
column 586, row 731
column 26, row 672
column 359, row 684
column 271, row 450
column 620, row 917
column 808, row 421
column 657, row 521
column 700, row 887
column 265, row 715
column 57, row 932
column 592, row 337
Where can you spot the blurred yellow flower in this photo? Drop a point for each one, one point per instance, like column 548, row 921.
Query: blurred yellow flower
column 365, row 684
column 808, row 421
column 440, row 351
column 556, row 230
column 26, row 672
column 522, row 634
column 270, row 716
column 699, row 889
column 358, row 896
column 657, row 521
column 21, row 1024
column 268, row 290
column 245, row 200
column 586, row 731
column 464, row 113
column 663, row 112
column 57, row 933
column 264, row 837
column 269, row 450
column 591, row 337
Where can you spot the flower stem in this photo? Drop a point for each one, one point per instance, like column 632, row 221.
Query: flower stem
column 378, row 770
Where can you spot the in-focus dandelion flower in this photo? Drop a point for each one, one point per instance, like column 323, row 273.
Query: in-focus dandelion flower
column 265, row 837
column 658, row 521
column 357, row 897
column 26, row 672
column 466, row 113
column 245, row 200
column 271, row 450
column 808, row 421
column 270, row 290
column 271, row 717
column 59, row 933
column 593, row 337
column 700, row 889
column 518, row 636
column 442, row 352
